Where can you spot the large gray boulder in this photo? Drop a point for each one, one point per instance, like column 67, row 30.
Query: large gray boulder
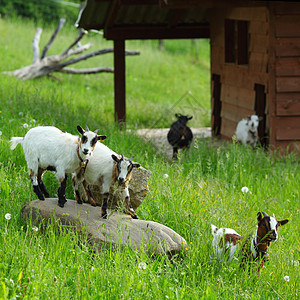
column 118, row 229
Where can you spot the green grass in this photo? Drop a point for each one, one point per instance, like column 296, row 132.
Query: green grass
column 203, row 187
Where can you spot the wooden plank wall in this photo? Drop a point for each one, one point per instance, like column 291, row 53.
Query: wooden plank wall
column 287, row 74
column 238, row 81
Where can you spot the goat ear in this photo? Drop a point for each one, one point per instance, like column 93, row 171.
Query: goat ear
column 282, row 222
column 177, row 115
column 249, row 117
column 101, row 137
column 114, row 157
column 80, row 130
column 260, row 215
column 136, row 165
column 189, row 118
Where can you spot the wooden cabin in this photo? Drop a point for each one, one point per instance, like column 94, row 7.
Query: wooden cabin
column 255, row 56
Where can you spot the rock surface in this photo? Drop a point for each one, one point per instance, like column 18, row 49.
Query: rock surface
column 138, row 189
column 118, row 229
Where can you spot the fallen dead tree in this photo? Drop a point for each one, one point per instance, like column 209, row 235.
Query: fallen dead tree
column 44, row 66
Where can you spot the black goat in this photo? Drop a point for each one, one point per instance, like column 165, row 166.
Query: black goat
column 180, row 135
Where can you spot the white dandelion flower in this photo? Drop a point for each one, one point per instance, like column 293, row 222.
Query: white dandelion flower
column 25, row 125
column 244, row 189
column 166, row 176
column 35, row 228
column 8, row 216
column 0, row 132
column 142, row 265
column 286, row 278
column 296, row 263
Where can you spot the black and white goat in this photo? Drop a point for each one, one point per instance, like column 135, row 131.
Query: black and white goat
column 49, row 148
column 254, row 248
column 105, row 168
column 180, row 135
column 246, row 130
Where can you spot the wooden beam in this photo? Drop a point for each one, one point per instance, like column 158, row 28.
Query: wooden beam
column 209, row 3
column 156, row 32
column 119, row 81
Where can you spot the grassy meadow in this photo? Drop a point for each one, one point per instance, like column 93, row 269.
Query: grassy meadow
column 203, row 187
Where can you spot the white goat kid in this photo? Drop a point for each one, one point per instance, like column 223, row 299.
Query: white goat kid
column 48, row 148
column 105, row 168
column 246, row 130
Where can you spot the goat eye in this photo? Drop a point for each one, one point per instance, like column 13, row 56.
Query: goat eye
column 84, row 139
column 93, row 142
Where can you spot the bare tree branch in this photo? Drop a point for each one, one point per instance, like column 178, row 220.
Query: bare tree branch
column 81, row 35
column 35, row 45
column 87, row 71
column 57, row 63
column 57, row 30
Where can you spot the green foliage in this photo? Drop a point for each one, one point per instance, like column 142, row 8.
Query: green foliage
column 203, row 187
column 40, row 11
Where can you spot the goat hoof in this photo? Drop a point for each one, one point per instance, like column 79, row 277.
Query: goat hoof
column 104, row 216
column 94, row 204
column 61, row 204
column 79, row 202
column 134, row 217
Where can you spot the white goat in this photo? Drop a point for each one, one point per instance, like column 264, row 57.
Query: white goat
column 104, row 169
column 48, row 148
column 246, row 130
column 254, row 248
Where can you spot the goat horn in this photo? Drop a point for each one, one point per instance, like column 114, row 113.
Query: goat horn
column 86, row 128
column 131, row 158
column 96, row 130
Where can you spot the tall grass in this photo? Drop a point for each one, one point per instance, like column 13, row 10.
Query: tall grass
column 203, row 187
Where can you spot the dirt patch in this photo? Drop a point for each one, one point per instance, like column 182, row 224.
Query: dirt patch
column 158, row 137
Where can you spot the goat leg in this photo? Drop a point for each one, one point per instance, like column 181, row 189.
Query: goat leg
column 175, row 152
column 130, row 208
column 38, row 192
column 104, row 206
column 75, row 189
column 88, row 193
column 41, row 183
column 61, row 192
column 35, row 185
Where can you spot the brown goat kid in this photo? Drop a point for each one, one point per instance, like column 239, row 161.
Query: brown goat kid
column 254, row 248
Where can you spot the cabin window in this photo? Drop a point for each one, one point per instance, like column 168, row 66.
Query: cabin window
column 236, row 42
column 243, row 40
column 229, row 41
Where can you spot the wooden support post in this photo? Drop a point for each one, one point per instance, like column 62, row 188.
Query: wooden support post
column 260, row 108
column 216, row 105
column 119, row 81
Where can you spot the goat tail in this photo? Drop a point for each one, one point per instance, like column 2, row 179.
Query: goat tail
column 15, row 141
column 214, row 229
